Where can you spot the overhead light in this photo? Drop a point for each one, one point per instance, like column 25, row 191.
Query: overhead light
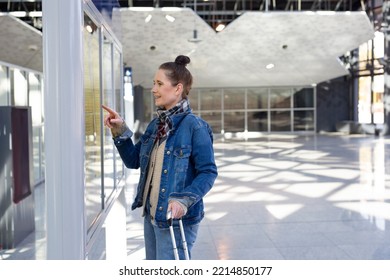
column 326, row 13
column 18, row 14
column 169, row 18
column 171, row 9
column 270, row 66
column 89, row 28
column 220, row 27
column 33, row 47
column 141, row 9
column 35, row 14
column 148, row 18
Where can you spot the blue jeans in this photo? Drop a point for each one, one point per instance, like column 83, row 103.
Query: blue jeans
column 158, row 242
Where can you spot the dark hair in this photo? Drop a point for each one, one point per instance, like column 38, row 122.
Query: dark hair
column 178, row 73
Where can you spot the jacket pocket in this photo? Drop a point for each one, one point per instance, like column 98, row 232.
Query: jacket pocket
column 181, row 161
column 182, row 157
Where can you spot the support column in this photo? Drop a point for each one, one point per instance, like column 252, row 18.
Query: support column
column 64, row 128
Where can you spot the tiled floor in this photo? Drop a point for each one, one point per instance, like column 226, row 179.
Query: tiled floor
column 283, row 197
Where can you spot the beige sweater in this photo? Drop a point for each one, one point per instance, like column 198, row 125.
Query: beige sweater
column 153, row 179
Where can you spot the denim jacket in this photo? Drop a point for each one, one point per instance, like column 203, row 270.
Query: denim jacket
column 189, row 168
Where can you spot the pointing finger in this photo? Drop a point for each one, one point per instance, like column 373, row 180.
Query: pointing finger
column 109, row 110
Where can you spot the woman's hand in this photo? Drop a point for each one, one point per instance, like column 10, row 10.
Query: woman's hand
column 113, row 119
column 177, row 209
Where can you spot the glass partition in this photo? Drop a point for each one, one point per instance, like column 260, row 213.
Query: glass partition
column 108, row 100
column 35, row 100
column 24, row 87
column 19, row 87
column 93, row 128
column 103, row 84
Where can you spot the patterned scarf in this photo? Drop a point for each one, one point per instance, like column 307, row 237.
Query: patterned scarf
column 165, row 123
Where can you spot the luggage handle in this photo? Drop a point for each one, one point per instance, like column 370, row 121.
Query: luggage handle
column 183, row 237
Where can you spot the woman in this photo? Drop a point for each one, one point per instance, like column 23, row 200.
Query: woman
column 176, row 158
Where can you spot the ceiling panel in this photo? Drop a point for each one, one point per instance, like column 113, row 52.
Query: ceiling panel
column 20, row 43
column 303, row 46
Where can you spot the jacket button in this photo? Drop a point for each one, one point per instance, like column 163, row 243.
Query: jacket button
column 162, row 190
column 168, row 152
column 165, row 171
column 160, row 208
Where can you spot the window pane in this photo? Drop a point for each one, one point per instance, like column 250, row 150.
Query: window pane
column 214, row 120
column 149, row 105
column 304, row 120
column 35, row 98
column 36, row 101
column 257, row 98
column 108, row 99
column 119, row 107
column 210, row 99
column 19, row 87
column 4, row 86
column 303, row 98
column 280, row 98
column 258, row 121
column 193, row 98
column 234, row 121
column 93, row 127
column 280, row 121
column 364, row 106
column 234, row 99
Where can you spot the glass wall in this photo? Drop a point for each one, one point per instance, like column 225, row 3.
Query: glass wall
column 24, row 87
column 102, row 85
column 93, row 127
column 36, row 101
column 234, row 110
column 371, row 87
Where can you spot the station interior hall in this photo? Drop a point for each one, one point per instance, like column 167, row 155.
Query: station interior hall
column 296, row 93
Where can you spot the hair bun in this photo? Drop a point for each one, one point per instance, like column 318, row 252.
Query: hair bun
column 182, row 60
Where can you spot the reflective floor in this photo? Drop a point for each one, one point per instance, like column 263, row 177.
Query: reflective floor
column 282, row 197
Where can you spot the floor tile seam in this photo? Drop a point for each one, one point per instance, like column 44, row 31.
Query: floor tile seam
column 345, row 252
column 280, row 249
column 209, row 233
column 276, row 247
column 372, row 241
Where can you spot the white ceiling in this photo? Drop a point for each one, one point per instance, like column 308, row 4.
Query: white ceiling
column 237, row 56
column 20, row 43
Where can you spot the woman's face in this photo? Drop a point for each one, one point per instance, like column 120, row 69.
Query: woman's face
column 165, row 94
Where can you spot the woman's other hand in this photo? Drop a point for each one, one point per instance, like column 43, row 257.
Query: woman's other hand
column 177, row 209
